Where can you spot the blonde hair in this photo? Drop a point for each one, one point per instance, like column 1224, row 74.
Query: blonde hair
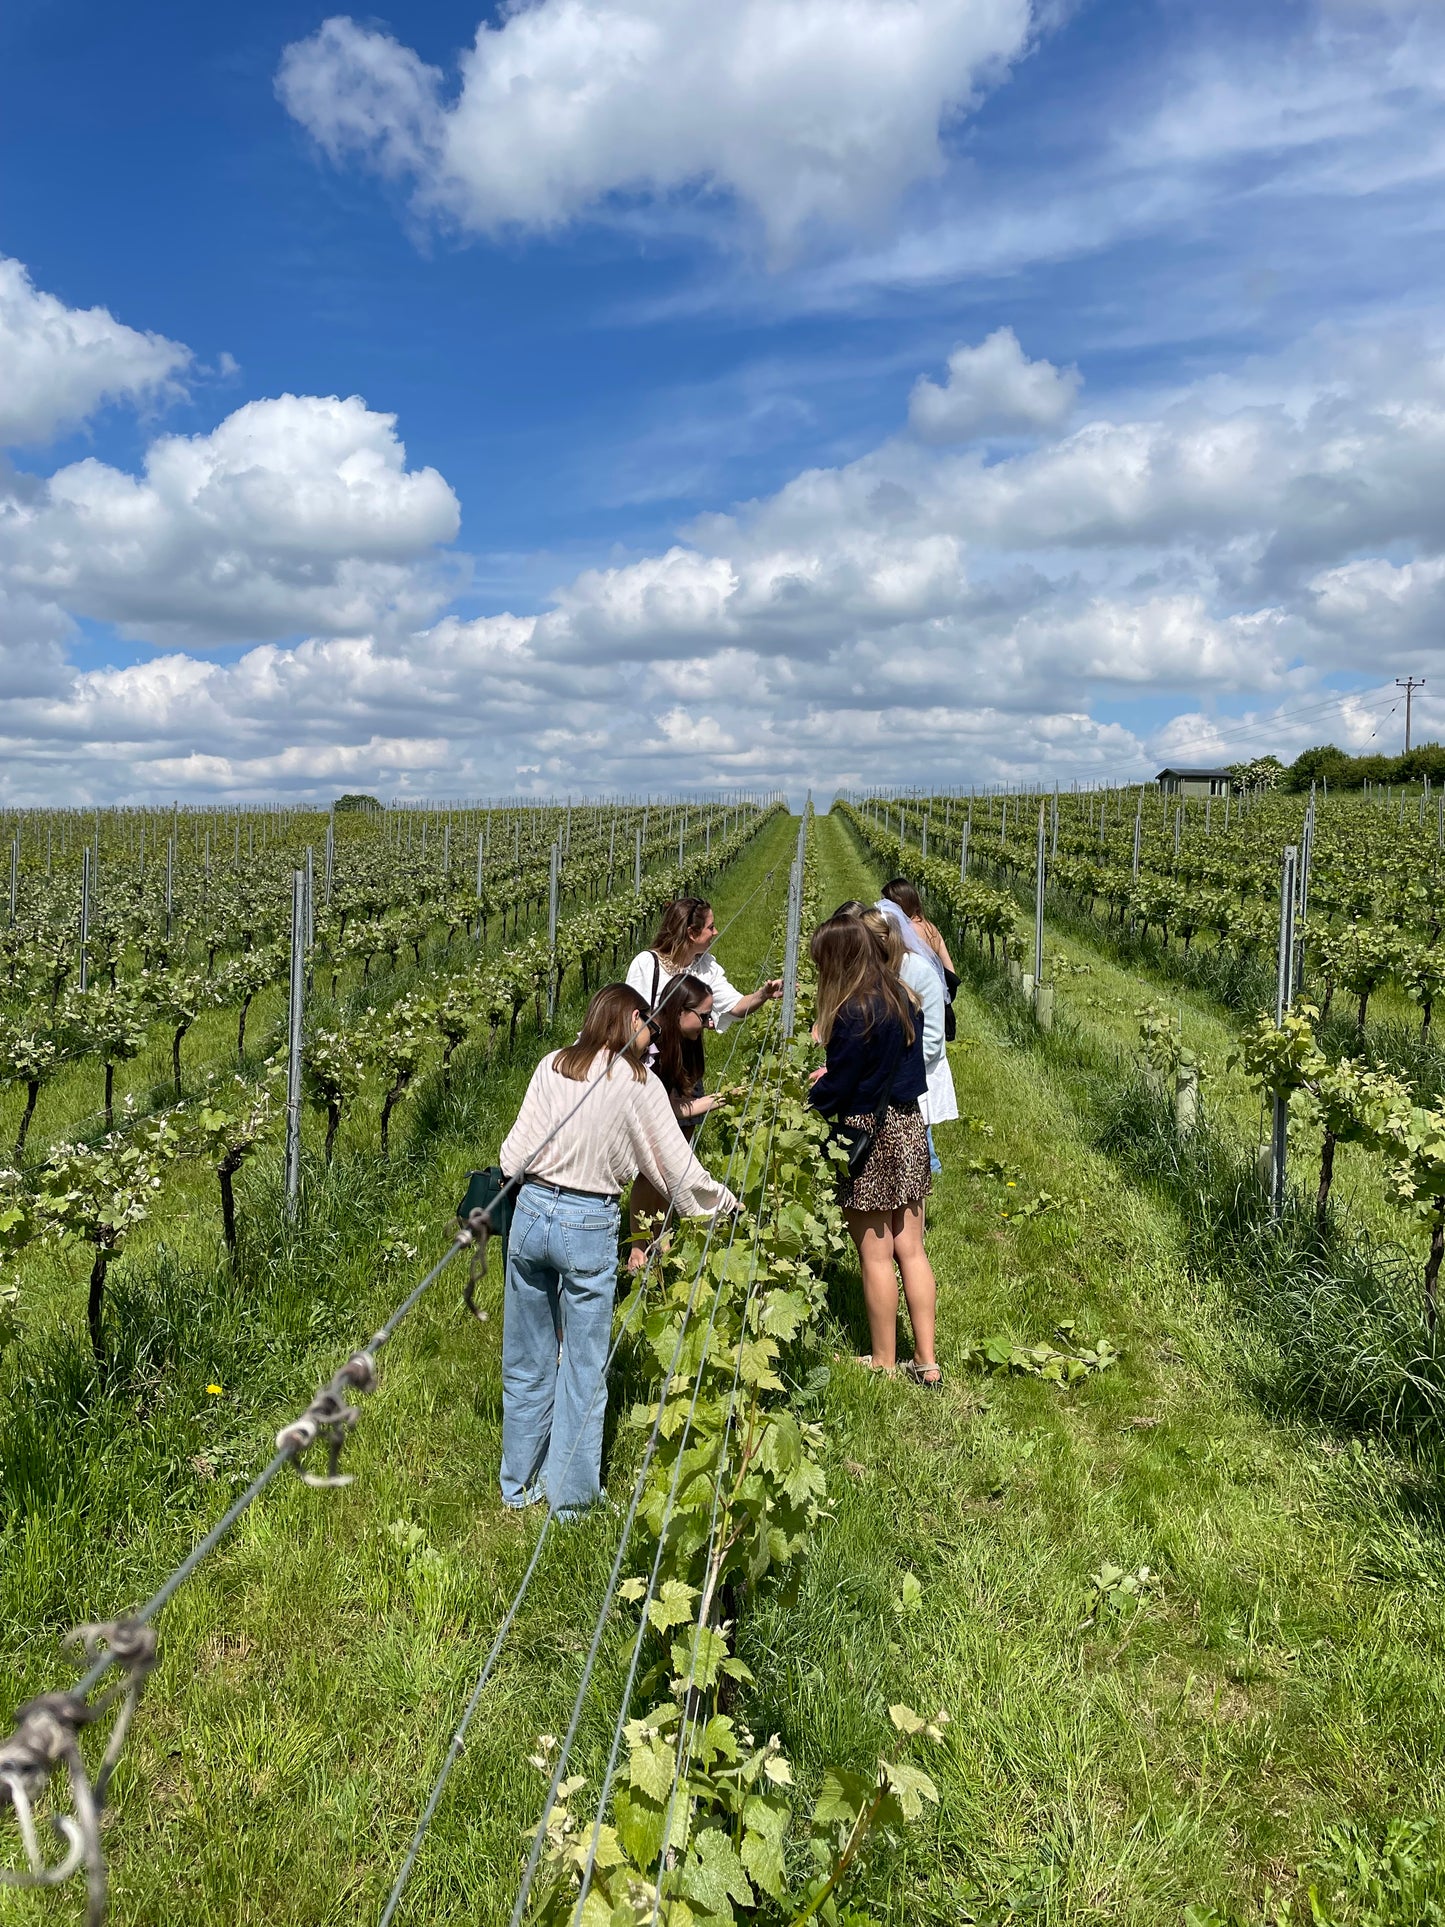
column 886, row 934
column 852, row 972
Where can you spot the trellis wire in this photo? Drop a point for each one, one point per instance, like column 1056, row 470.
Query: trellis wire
column 458, row 1739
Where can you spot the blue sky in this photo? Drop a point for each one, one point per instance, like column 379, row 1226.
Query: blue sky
column 673, row 508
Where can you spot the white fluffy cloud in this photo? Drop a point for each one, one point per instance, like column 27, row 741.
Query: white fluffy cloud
column 297, row 513
column 923, row 607
column 993, row 389
column 806, row 111
column 59, row 364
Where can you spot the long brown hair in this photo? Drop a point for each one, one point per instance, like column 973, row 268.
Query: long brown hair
column 680, row 1060
column 851, row 972
column 900, row 891
column 608, row 1026
column 681, row 921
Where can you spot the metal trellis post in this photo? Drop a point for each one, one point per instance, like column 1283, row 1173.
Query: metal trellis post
column 84, row 917
column 1302, row 881
column 552, row 930
column 790, row 953
column 1284, row 996
column 296, row 1018
column 1039, row 906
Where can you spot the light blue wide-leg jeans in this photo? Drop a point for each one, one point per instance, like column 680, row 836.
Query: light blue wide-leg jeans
column 556, row 1333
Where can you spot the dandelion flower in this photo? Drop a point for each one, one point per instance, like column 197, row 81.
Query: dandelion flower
column 216, row 1391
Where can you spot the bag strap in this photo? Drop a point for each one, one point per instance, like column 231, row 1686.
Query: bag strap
column 656, row 974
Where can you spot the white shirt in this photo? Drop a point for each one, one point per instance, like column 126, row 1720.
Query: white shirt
column 706, row 969
column 625, row 1126
column 927, row 986
column 940, row 1102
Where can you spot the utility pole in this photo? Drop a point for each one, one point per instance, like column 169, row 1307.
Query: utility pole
column 1409, row 684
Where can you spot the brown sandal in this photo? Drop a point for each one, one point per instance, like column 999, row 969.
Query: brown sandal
column 930, row 1374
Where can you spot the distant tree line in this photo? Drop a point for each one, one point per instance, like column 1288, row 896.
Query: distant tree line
column 1341, row 771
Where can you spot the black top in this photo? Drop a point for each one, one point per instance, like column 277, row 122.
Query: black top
column 859, row 1061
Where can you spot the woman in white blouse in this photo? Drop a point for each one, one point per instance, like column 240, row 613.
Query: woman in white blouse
column 928, row 957
column 683, row 944
column 575, row 1149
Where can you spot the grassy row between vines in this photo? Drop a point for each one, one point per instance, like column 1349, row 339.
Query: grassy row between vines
column 1282, row 1681
column 1100, row 985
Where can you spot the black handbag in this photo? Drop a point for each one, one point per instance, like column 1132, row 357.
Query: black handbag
column 493, row 1192
column 857, row 1140
column 950, row 1015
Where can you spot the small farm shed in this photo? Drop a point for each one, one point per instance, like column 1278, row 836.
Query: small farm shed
column 1193, row 782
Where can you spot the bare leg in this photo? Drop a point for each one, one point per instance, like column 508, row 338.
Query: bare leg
column 872, row 1233
column 919, row 1288
column 645, row 1202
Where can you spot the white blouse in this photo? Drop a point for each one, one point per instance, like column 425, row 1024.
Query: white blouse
column 940, row 1101
column 706, row 969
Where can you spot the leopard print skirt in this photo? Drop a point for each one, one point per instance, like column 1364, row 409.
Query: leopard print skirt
column 897, row 1172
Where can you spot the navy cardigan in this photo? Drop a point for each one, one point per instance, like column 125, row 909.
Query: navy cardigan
column 859, row 1061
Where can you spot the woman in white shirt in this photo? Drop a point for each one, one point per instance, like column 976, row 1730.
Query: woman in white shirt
column 925, row 971
column 683, row 945
column 575, row 1150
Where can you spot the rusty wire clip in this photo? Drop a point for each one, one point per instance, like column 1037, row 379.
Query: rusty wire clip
column 478, row 1233
column 47, row 1736
column 329, row 1416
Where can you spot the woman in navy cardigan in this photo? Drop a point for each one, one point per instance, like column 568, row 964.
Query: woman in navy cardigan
column 872, row 1031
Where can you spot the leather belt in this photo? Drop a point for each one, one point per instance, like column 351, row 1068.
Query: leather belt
column 571, row 1191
